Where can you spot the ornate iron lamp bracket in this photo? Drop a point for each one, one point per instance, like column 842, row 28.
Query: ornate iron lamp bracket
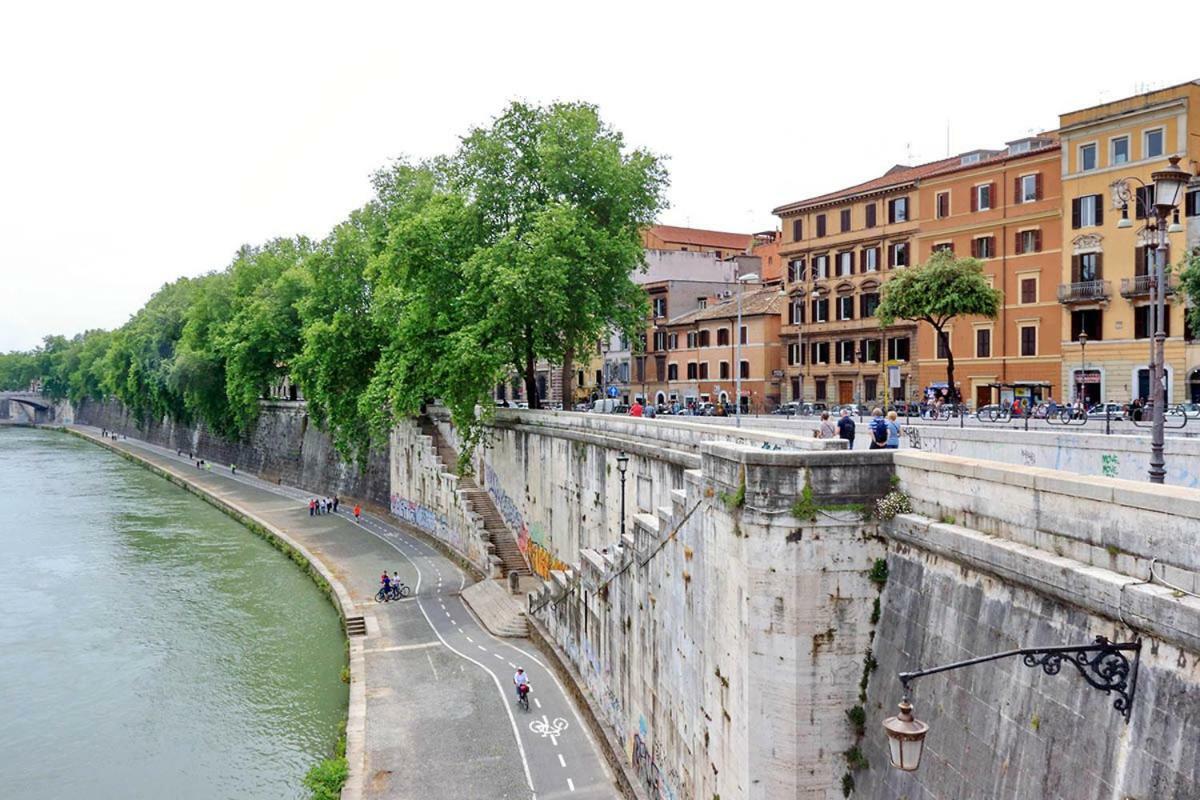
column 1104, row 665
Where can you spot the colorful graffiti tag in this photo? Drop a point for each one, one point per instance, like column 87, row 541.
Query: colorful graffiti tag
column 426, row 519
column 542, row 561
column 507, row 507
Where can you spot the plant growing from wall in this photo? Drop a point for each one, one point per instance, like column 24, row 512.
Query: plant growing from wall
column 891, row 504
column 879, row 573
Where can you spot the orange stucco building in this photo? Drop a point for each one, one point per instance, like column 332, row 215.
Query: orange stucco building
column 1002, row 207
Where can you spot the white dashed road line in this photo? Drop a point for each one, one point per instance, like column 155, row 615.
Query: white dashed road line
column 562, row 762
column 570, row 784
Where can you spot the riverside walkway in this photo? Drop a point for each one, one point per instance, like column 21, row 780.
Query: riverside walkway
column 439, row 718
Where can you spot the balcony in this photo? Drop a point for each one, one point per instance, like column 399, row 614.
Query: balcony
column 1084, row 292
column 1139, row 285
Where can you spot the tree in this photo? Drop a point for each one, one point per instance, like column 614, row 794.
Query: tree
column 561, row 207
column 942, row 288
column 1189, row 279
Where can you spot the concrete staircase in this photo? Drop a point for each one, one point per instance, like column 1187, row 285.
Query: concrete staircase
column 500, row 611
column 480, row 502
column 356, row 626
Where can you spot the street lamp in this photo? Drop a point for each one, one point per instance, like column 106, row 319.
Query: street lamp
column 1082, row 362
column 1102, row 664
column 1169, row 185
column 622, row 465
column 737, row 413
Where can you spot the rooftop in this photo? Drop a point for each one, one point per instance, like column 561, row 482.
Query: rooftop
column 723, row 240
column 899, row 175
column 766, row 301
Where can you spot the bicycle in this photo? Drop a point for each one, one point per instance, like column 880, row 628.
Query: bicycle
column 523, row 696
column 392, row 592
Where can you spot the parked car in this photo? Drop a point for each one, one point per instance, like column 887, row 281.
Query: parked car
column 1111, row 410
column 788, row 409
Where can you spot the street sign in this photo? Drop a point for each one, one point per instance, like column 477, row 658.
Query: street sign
column 776, row 373
column 893, row 377
column 612, row 391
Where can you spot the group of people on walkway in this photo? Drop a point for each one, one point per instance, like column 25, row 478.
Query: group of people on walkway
column 885, row 430
column 323, row 505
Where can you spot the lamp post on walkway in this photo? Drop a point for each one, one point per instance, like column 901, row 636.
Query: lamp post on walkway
column 737, row 413
column 1169, row 185
column 1082, row 361
column 622, row 465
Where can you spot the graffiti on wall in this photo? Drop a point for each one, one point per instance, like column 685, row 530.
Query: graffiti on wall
column 1109, row 465
column 646, row 766
column 542, row 561
column 426, row 519
column 507, row 507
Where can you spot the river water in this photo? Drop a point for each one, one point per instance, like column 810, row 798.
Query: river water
column 150, row 646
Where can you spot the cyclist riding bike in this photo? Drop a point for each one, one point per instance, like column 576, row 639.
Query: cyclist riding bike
column 521, row 681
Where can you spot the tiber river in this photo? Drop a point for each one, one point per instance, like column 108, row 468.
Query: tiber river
column 150, row 646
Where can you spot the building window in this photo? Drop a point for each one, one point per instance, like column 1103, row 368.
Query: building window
column 942, row 341
column 660, row 306
column 870, row 388
column 743, row 337
column 703, row 370
column 820, row 267
column 1028, row 188
column 1144, row 202
column 672, row 341
column 1028, row 290
column 942, row 205
column 672, row 372
column 722, row 337
column 745, row 370
column 1029, row 242
column 691, row 373
column 983, row 342
column 845, row 219
column 796, row 270
column 871, row 351
column 845, row 262
column 845, row 351
column 692, row 338
column 723, row 370
column 868, row 304
column 1028, row 340
column 1152, row 143
column 845, row 307
column 820, row 352
column 820, row 310
column 819, row 383
column 1089, row 321
column 870, row 259
column 1119, row 150
column 660, row 340
column 820, row 225
column 870, row 212
column 705, row 338
column 797, row 230
column 898, row 254
column 983, row 197
column 1143, row 326
column 1087, row 157
column 1191, row 204
column 898, row 210
column 1087, row 211
column 943, row 247
column 797, row 313
column 1086, row 267
column 898, row 349
column 793, row 358
column 983, row 247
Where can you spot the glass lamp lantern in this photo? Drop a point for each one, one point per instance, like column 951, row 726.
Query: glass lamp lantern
column 1169, row 185
column 906, row 738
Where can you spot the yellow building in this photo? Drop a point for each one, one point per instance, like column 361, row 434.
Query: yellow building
column 1104, row 288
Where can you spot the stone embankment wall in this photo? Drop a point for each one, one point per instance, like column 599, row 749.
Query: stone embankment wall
column 284, row 446
column 997, row 558
column 725, row 637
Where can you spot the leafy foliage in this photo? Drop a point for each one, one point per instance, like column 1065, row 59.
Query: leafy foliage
column 942, row 288
column 1189, row 280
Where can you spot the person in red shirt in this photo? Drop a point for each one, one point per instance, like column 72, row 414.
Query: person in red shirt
column 357, row 512
column 636, row 410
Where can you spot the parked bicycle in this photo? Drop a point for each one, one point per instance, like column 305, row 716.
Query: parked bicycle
column 393, row 591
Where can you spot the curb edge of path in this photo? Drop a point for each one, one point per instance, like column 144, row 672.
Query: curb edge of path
column 356, row 712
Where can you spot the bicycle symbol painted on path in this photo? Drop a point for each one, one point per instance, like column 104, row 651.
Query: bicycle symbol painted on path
column 547, row 729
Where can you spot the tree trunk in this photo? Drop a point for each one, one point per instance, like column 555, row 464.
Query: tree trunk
column 953, row 390
column 531, row 391
column 568, row 379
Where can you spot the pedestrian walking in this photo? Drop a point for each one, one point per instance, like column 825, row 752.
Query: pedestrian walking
column 312, row 506
column 845, row 428
column 879, row 430
column 233, row 469
column 357, row 512
column 826, row 431
column 335, row 503
column 893, row 431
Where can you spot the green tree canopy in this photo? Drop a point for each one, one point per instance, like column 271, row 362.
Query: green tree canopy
column 942, row 288
column 1189, row 279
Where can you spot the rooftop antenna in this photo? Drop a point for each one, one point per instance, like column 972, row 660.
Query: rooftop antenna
column 908, row 156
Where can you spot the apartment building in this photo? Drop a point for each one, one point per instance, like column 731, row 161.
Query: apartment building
column 699, row 352
column 838, row 248
column 1108, row 154
column 720, row 244
column 1002, row 207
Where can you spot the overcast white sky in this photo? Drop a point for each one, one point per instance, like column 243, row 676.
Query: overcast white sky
column 140, row 142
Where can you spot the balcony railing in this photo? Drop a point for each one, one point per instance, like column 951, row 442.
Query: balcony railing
column 1140, row 285
column 1084, row 291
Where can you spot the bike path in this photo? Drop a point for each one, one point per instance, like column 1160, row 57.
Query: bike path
column 441, row 716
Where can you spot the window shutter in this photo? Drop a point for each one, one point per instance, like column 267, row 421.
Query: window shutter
column 1037, row 186
column 1017, row 247
column 1016, row 190
column 975, row 198
column 1037, row 241
column 791, row 314
column 974, row 248
column 891, row 255
column 1099, row 266
column 851, row 262
column 1076, row 213
column 992, row 199
column 1139, row 261
column 1099, row 209
column 1074, row 269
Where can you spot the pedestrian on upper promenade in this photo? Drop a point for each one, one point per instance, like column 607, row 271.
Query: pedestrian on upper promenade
column 335, row 503
column 879, row 430
column 893, row 431
column 637, row 408
column 357, row 511
column 1051, row 406
column 826, row 431
column 651, row 412
column 845, row 427
column 312, row 506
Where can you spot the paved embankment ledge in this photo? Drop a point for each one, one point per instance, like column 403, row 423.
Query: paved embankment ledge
column 431, row 708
